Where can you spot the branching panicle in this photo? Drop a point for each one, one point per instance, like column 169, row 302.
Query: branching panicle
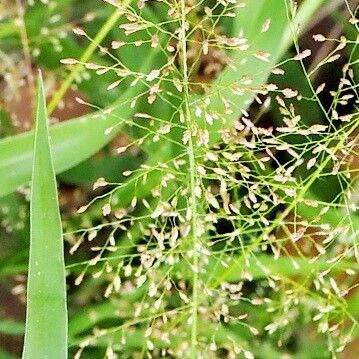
column 219, row 232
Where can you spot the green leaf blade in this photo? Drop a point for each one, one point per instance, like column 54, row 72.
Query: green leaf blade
column 72, row 142
column 46, row 318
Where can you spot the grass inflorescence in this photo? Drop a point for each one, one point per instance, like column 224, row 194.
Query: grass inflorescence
column 228, row 228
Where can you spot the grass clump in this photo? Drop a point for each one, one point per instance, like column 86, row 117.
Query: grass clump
column 228, row 229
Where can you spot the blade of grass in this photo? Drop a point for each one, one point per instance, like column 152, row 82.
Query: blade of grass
column 72, row 142
column 46, row 317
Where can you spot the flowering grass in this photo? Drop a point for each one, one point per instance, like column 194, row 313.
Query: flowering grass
column 229, row 228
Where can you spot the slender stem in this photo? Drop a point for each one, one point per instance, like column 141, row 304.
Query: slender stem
column 26, row 51
column 193, row 179
column 305, row 14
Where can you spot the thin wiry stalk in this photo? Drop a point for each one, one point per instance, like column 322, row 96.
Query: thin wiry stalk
column 25, row 46
column 193, row 180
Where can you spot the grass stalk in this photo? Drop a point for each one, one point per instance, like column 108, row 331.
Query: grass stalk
column 193, row 198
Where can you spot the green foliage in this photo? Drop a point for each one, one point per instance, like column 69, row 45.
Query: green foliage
column 46, row 317
column 71, row 139
column 222, row 220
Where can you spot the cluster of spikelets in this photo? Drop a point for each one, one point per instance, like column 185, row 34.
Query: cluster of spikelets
column 214, row 230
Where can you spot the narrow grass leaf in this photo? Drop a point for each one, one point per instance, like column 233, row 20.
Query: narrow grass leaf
column 46, row 317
